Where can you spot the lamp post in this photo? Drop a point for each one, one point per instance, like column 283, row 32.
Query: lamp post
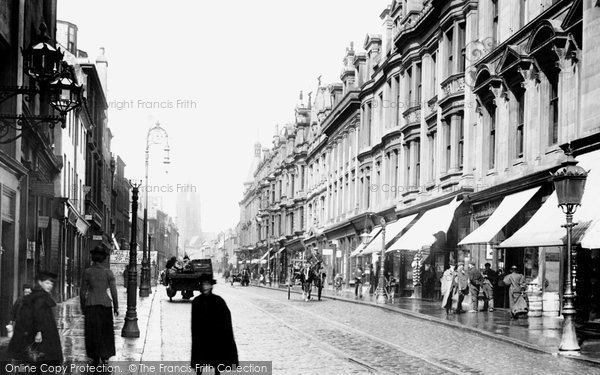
column 156, row 135
column 569, row 183
column 130, row 328
column 380, row 284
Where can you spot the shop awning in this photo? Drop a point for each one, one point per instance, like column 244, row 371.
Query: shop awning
column 423, row 232
column 280, row 250
column 374, row 244
column 391, row 231
column 360, row 249
column 544, row 228
column 507, row 209
column 591, row 239
column 264, row 255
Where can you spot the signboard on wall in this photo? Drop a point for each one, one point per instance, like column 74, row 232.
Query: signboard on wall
column 122, row 257
column 327, row 252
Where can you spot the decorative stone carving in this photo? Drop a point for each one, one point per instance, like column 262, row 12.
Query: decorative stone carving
column 454, row 86
column 500, row 94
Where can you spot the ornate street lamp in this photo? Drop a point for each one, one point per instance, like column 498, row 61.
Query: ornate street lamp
column 55, row 79
column 65, row 93
column 381, row 283
column 42, row 61
column 156, row 135
column 569, row 183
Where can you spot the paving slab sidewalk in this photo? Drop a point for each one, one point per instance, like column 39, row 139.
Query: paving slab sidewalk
column 70, row 322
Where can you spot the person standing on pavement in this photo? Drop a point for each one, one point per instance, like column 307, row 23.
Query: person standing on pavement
column 475, row 281
column 462, row 283
column 36, row 326
column 213, row 344
column 320, row 278
column 448, row 286
column 372, row 279
column 516, row 283
column 489, row 282
column 429, row 279
column 98, row 308
column 358, row 276
column 16, row 309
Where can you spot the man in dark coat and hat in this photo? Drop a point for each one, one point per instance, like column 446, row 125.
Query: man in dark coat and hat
column 213, row 344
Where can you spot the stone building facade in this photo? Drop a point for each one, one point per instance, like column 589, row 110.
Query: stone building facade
column 452, row 117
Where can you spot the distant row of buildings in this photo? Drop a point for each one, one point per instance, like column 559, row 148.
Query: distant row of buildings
column 446, row 126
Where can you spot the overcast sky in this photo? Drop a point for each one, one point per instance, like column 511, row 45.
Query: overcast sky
column 225, row 72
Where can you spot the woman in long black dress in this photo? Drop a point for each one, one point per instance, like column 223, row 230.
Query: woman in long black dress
column 98, row 308
column 36, row 328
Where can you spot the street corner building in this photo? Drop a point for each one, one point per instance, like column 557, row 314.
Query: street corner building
column 447, row 125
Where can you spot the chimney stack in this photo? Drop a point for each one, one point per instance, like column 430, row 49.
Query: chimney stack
column 102, row 68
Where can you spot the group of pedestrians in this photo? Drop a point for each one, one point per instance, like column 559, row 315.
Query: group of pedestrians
column 35, row 337
column 459, row 283
column 36, row 340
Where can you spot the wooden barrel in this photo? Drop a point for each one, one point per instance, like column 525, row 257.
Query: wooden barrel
column 551, row 304
column 535, row 303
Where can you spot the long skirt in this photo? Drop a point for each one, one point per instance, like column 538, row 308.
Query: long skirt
column 99, row 332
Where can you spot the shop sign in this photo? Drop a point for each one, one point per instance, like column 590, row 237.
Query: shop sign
column 327, row 252
column 338, row 254
column 484, row 210
column 97, row 237
column 43, row 222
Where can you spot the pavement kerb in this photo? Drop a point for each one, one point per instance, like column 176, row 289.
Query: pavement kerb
column 153, row 308
column 451, row 324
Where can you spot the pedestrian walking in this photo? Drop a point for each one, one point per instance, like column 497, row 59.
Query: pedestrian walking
column 516, row 283
column 98, row 308
column 448, row 286
column 16, row 308
column 475, row 281
column 358, row 276
column 36, row 339
column 490, row 278
column 337, row 283
column 462, row 284
column 320, row 279
column 213, row 344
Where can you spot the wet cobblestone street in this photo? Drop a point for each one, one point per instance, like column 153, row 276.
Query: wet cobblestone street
column 335, row 337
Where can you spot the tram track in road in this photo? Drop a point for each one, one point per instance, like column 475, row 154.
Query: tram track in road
column 340, row 338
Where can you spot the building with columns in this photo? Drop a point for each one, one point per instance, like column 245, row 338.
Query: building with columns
column 447, row 126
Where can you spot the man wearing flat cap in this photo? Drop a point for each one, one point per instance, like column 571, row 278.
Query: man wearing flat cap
column 213, row 344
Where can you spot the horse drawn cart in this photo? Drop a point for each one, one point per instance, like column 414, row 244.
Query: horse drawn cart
column 187, row 278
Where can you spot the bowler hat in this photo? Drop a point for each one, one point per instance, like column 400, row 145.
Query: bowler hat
column 513, row 267
column 207, row 277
